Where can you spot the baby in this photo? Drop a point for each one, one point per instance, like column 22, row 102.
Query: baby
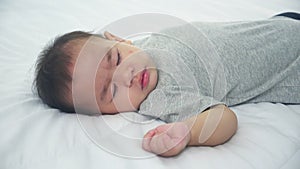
column 186, row 76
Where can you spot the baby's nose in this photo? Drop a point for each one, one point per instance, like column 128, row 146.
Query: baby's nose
column 125, row 77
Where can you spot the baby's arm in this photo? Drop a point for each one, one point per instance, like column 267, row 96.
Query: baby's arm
column 209, row 128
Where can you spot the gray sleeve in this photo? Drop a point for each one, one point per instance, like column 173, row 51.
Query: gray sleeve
column 172, row 106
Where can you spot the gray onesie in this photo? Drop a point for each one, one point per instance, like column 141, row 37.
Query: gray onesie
column 202, row 64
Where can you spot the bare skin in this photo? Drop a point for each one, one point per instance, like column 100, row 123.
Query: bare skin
column 170, row 139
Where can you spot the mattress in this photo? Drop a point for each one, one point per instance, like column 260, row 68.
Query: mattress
column 36, row 136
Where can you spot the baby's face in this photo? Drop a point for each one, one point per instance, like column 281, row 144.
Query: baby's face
column 121, row 75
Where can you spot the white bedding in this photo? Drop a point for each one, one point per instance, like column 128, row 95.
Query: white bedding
column 35, row 136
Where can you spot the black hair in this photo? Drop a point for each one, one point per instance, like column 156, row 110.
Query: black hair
column 52, row 76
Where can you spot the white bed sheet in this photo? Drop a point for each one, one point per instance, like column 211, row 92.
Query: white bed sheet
column 35, row 136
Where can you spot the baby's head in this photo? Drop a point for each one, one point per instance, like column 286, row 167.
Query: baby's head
column 83, row 69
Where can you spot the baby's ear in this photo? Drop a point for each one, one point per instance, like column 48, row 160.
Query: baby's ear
column 110, row 36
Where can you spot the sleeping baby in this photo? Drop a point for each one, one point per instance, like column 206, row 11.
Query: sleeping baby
column 186, row 75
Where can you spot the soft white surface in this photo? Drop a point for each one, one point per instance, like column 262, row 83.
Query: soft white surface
column 34, row 136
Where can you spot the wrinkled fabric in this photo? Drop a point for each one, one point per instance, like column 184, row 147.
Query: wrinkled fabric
column 203, row 64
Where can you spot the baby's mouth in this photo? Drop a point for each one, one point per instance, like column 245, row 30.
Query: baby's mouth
column 144, row 80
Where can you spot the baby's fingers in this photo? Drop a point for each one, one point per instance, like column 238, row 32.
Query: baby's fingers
column 147, row 139
column 113, row 37
column 110, row 36
column 160, row 144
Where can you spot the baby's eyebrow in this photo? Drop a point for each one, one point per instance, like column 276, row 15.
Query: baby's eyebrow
column 108, row 53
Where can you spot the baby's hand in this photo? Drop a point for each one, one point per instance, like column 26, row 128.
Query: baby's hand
column 168, row 139
column 110, row 36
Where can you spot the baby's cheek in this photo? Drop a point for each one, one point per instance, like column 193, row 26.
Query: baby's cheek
column 122, row 101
